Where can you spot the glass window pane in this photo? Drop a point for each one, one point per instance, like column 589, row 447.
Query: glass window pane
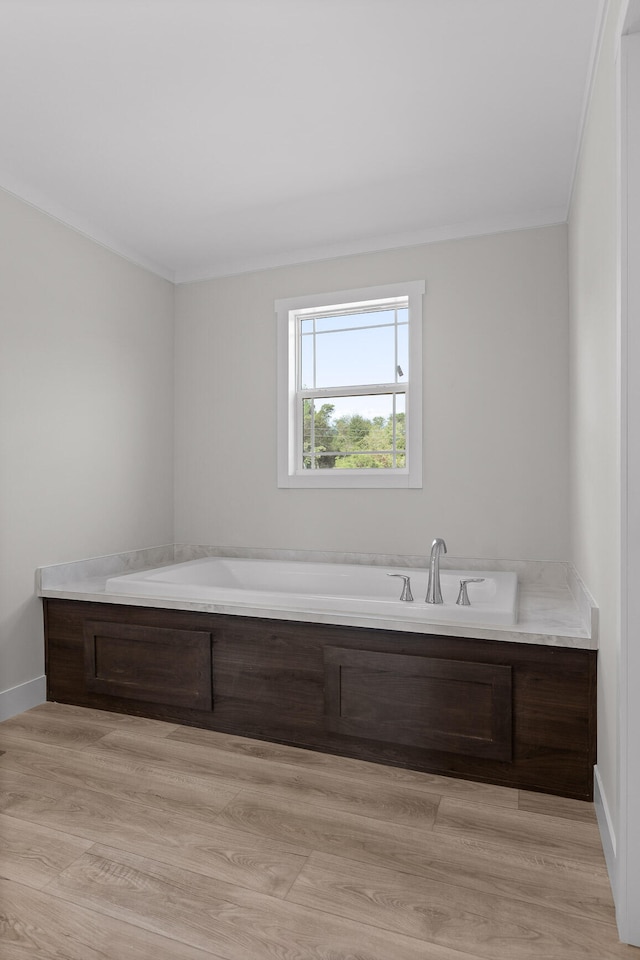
column 355, row 357
column 401, row 425
column 402, row 372
column 306, row 363
column 317, row 425
column 354, row 433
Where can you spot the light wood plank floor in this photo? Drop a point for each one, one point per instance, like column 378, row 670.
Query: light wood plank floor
column 129, row 838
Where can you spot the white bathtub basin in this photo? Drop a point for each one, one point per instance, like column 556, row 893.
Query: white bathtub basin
column 339, row 588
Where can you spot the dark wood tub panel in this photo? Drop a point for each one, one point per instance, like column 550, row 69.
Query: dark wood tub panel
column 516, row 714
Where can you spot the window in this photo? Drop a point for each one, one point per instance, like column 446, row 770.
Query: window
column 350, row 388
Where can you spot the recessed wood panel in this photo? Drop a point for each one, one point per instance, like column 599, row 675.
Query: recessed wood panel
column 155, row 664
column 420, row 701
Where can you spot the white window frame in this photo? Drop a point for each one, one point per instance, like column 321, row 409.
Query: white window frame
column 290, row 473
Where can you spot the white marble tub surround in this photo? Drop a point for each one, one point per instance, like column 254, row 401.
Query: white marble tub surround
column 99, row 569
column 552, row 609
column 589, row 610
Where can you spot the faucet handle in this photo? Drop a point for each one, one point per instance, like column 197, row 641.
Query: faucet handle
column 463, row 596
column 406, row 586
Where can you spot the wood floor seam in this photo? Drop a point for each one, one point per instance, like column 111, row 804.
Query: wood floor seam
column 448, row 886
column 325, row 918
column 100, row 917
column 140, row 801
column 367, row 771
column 285, row 896
column 341, row 793
column 317, row 804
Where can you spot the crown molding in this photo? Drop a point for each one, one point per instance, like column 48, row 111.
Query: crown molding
column 459, row 231
column 81, row 226
column 236, row 266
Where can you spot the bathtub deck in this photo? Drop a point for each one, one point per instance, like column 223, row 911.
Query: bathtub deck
column 124, row 836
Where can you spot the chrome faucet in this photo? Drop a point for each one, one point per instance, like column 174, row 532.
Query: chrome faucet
column 434, row 593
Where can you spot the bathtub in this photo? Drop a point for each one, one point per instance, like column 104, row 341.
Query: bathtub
column 336, row 588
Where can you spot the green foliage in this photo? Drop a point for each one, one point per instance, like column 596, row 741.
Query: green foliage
column 324, row 433
column 339, row 440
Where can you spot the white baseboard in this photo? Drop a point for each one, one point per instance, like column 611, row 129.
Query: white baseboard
column 607, row 832
column 23, row 697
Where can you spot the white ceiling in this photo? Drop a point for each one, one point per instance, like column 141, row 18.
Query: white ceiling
column 205, row 137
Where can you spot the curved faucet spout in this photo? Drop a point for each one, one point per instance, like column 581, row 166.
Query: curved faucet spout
column 434, row 593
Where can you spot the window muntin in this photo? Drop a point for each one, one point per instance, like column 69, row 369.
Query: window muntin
column 350, row 391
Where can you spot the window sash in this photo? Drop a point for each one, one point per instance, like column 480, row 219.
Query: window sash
column 375, row 305
column 364, row 390
column 364, row 308
column 313, row 454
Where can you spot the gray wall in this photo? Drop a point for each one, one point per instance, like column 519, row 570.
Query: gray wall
column 595, row 472
column 86, row 414
column 495, row 407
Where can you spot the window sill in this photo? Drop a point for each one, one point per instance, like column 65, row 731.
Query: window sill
column 321, row 480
